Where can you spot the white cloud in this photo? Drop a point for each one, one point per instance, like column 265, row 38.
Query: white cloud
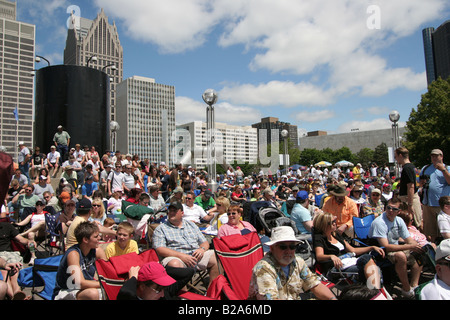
column 314, row 116
column 277, row 93
column 289, row 38
column 376, row 124
column 188, row 110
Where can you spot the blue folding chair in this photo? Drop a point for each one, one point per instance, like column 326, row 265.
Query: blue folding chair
column 41, row 274
column 361, row 227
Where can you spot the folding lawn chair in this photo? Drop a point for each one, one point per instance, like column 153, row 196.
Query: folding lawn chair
column 113, row 273
column 237, row 255
column 361, row 227
column 41, row 274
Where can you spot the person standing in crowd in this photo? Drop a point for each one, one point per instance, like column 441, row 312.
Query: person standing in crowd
column 408, row 186
column 435, row 182
column 62, row 142
column 24, row 158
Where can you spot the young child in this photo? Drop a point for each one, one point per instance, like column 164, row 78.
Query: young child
column 124, row 243
column 415, row 234
column 108, row 223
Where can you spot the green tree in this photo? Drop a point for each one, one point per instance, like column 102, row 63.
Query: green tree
column 380, row 156
column 428, row 127
column 365, row 157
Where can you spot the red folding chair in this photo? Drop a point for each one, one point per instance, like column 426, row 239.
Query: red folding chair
column 237, row 254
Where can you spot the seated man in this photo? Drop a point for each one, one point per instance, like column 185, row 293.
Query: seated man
column 193, row 212
column 387, row 229
column 439, row 287
column 89, row 187
column 41, row 187
column 281, row 275
column 301, row 214
column 343, row 208
column 206, row 201
column 180, row 243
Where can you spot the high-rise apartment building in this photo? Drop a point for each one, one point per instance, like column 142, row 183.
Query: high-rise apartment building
column 233, row 144
column 17, row 53
column 274, row 125
column 436, row 43
column 95, row 43
column 146, row 116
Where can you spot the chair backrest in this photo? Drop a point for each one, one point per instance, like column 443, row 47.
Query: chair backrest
column 361, row 226
column 112, row 273
column 238, row 254
column 41, row 274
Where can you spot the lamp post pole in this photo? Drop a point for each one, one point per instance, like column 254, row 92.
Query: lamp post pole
column 210, row 97
column 285, row 134
column 394, row 116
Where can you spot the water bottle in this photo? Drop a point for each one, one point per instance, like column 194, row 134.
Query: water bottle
column 347, row 255
column 31, row 247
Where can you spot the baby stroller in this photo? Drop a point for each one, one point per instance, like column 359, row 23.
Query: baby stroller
column 271, row 217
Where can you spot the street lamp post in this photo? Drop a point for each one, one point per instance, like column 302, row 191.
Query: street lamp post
column 394, row 116
column 38, row 59
column 91, row 58
column 210, row 97
column 285, row 135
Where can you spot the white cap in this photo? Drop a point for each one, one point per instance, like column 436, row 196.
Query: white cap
column 443, row 250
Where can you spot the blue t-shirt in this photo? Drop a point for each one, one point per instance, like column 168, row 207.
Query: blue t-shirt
column 382, row 227
column 300, row 214
column 88, row 189
column 438, row 187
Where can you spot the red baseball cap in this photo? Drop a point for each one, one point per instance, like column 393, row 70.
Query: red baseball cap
column 155, row 272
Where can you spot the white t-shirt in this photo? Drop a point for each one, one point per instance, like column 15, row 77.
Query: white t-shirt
column 443, row 220
column 52, row 156
column 194, row 213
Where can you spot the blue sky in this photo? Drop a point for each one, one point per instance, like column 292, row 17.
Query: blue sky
column 330, row 65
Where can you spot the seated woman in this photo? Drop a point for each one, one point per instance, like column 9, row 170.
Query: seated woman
column 235, row 225
column 329, row 246
column 37, row 229
column 238, row 195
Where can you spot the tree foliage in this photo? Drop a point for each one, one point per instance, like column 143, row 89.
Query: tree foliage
column 428, row 127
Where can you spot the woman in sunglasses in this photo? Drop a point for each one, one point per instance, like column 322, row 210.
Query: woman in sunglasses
column 235, row 224
column 330, row 247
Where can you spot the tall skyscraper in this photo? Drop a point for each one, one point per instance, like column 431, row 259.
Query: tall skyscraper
column 17, row 53
column 146, row 116
column 272, row 123
column 436, row 43
column 95, row 43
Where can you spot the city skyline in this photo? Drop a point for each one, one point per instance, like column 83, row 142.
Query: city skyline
column 333, row 66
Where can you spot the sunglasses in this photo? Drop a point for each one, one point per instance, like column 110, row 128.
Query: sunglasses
column 393, row 208
column 231, row 213
column 96, row 205
column 285, row 246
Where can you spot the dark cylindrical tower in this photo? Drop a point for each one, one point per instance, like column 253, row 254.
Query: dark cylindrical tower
column 77, row 98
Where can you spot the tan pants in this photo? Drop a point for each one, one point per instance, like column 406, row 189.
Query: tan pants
column 417, row 207
column 430, row 225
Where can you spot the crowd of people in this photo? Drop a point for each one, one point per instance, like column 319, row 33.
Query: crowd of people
column 95, row 194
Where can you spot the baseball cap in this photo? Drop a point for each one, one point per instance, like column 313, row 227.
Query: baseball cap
column 84, row 204
column 436, row 151
column 64, row 196
column 443, row 250
column 154, row 271
column 302, row 195
column 208, row 193
column 177, row 205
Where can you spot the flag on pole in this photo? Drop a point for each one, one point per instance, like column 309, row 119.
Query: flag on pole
column 16, row 114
